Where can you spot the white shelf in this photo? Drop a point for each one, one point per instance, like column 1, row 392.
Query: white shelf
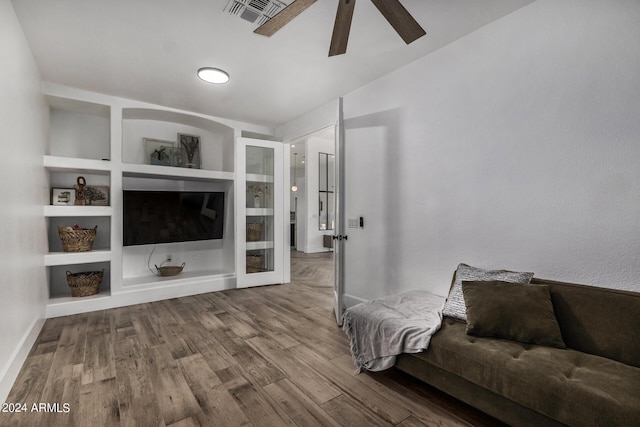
column 63, row 306
column 254, row 246
column 69, row 164
column 69, row 258
column 66, row 211
column 153, row 171
column 252, row 177
column 259, row 212
column 70, row 300
column 185, row 276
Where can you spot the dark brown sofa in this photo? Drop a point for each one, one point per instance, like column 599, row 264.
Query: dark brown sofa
column 595, row 381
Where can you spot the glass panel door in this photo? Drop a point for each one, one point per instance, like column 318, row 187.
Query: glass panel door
column 326, row 193
column 259, row 209
column 260, row 212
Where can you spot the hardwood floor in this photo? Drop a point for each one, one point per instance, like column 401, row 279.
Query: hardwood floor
column 267, row 356
column 314, row 269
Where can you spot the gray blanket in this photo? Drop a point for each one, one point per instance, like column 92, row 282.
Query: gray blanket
column 382, row 328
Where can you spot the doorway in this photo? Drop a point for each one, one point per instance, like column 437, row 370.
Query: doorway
column 312, row 208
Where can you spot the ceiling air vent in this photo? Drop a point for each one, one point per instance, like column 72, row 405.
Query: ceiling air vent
column 250, row 15
column 259, row 4
column 256, row 11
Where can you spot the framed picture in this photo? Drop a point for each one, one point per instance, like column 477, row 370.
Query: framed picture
column 190, row 147
column 63, row 196
column 96, row 195
column 159, row 152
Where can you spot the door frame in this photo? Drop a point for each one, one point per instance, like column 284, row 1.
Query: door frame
column 340, row 225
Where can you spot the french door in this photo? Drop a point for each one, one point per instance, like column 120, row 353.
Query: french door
column 340, row 236
column 260, row 212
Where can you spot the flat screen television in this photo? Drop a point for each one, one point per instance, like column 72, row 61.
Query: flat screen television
column 151, row 217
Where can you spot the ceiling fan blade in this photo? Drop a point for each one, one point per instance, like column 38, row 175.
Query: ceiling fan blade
column 283, row 17
column 341, row 27
column 400, row 19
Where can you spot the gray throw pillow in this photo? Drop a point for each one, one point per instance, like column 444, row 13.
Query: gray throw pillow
column 513, row 312
column 455, row 308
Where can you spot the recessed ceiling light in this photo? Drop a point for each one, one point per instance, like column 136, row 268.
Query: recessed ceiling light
column 213, row 75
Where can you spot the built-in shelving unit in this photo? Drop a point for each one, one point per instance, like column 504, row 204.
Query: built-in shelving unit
column 101, row 138
column 73, row 258
column 79, row 145
column 210, row 265
column 70, row 164
column 152, row 171
column 63, row 306
column 187, row 276
column 81, row 211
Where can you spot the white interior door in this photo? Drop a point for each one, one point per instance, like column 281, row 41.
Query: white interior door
column 260, row 232
column 340, row 236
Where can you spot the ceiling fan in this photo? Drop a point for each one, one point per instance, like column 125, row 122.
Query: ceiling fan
column 399, row 18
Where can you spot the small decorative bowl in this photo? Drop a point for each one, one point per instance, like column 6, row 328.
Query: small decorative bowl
column 170, row 270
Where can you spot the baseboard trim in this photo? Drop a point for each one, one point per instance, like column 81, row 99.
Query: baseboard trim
column 316, row 249
column 12, row 368
column 350, row 300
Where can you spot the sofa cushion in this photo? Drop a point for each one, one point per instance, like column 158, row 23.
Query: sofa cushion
column 511, row 311
column 572, row 387
column 454, row 306
column 597, row 320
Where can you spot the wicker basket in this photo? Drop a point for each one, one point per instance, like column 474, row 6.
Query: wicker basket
column 255, row 263
column 254, row 232
column 170, row 270
column 85, row 283
column 77, row 240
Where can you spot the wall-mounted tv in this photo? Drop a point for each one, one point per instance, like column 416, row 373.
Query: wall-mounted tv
column 151, row 217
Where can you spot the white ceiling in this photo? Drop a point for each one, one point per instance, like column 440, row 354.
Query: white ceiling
column 149, row 50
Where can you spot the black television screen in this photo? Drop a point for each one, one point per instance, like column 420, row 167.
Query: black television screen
column 171, row 216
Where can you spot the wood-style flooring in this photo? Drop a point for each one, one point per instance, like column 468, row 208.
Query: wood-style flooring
column 267, row 356
column 314, row 269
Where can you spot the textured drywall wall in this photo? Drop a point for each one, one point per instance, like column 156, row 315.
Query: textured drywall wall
column 515, row 147
column 23, row 188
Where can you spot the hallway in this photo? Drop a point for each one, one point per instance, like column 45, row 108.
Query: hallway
column 315, row 269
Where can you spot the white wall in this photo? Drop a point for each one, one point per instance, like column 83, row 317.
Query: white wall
column 516, row 146
column 320, row 118
column 77, row 134
column 23, row 187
